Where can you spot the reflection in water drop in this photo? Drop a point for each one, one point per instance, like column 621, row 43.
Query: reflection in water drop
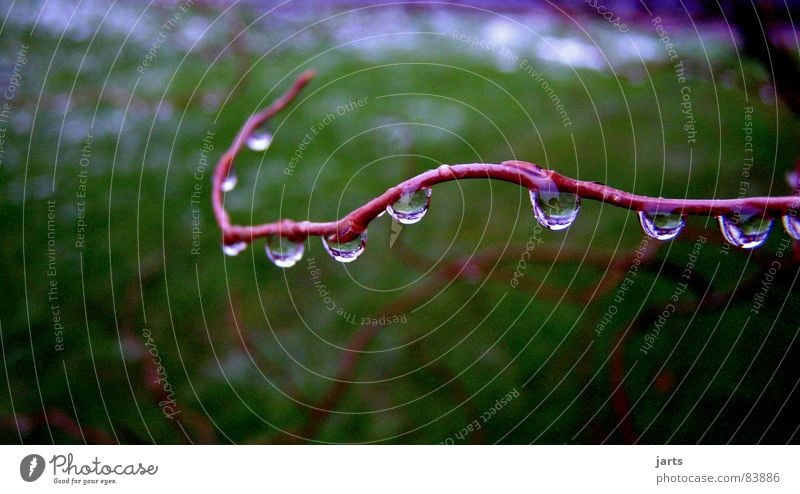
column 749, row 231
column 283, row 252
column 346, row 251
column 411, row 207
column 555, row 210
column 230, row 182
column 792, row 226
column 662, row 226
column 234, row 249
column 259, row 141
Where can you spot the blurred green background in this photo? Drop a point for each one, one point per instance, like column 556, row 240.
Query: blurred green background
column 251, row 353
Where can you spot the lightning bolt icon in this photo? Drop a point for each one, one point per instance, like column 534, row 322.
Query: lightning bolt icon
column 32, row 466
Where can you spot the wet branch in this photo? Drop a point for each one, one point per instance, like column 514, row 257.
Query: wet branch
column 525, row 174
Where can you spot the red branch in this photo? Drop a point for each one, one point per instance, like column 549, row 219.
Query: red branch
column 526, row 174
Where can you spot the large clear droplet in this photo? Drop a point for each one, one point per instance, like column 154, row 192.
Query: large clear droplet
column 259, row 141
column 230, row 182
column 283, row 252
column 346, row 251
column 792, row 226
column 662, row 226
column 234, row 249
column 749, row 231
column 555, row 210
column 411, row 207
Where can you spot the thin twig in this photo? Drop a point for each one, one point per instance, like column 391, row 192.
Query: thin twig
column 526, row 174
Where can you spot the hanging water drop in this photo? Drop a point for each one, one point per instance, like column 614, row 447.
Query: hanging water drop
column 259, row 141
column 283, row 252
column 345, row 251
column 233, row 249
column 792, row 226
column 230, row 182
column 555, row 210
column 662, row 226
column 748, row 232
column 411, row 206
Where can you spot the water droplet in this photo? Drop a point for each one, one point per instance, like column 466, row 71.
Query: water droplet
column 259, row 141
column 749, row 231
column 283, row 252
column 346, row 251
column 555, row 210
column 662, row 226
column 230, row 182
column 411, row 206
column 234, row 249
column 792, row 226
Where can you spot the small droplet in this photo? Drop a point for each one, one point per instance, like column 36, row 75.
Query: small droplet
column 346, row 251
column 792, row 226
column 259, row 141
column 662, row 226
column 555, row 210
column 748, row 232
column 283, row 252
column 234, row 249
column 230, row 182
column 411, row 207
